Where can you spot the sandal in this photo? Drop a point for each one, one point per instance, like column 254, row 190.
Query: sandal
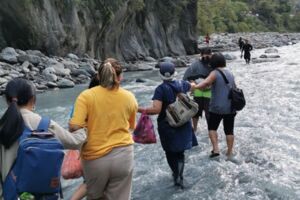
column 213, row 154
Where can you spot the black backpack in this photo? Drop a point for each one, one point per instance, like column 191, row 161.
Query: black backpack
column 236, row 95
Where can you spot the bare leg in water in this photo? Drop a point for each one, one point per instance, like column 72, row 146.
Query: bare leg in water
column 213, row 135
column 230, row 141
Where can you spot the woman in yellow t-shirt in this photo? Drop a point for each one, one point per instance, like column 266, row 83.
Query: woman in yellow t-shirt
column 108, row 111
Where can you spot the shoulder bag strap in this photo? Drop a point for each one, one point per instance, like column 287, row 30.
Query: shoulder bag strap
column 44, row 124
column 223, row 75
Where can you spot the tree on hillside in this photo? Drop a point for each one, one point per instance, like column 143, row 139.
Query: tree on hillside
column 247, row 15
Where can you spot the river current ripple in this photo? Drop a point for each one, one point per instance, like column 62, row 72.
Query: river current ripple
column 266, row 164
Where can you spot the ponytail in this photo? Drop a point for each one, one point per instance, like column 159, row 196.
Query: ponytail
column 109, row 73
column 18, row 92
column 11, row 125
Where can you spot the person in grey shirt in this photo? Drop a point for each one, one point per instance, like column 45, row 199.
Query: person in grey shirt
column 220, row 104
column 199, row 70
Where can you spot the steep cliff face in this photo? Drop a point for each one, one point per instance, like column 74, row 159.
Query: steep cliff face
column 125, row 29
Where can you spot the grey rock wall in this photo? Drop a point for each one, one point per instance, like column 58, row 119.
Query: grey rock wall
column 100, row 28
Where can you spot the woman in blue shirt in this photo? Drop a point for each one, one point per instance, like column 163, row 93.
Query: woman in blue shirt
column 173, row 140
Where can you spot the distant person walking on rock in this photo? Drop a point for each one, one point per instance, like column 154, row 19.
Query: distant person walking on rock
column 207, row 39
column 198, row 71
column 220, row 104
column 173, row 140
column 246, row 49
column 241, row 43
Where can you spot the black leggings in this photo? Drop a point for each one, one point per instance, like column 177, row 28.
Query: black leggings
column 228, row 122
column 174, row 158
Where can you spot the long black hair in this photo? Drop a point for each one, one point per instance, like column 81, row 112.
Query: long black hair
column 18, row 92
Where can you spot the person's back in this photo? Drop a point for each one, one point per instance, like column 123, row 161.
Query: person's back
column 174, row 141
column 198, row 71
column 108, row 112
column 220, row 103
column 247, row 47
column 20, row 96
column 108, row 119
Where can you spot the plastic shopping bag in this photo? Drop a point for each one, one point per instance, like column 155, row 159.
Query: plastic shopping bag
column 144, row 132
column 71, row 167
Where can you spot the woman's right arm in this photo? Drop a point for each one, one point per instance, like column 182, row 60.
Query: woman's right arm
column 152, row 110
column 206, row 82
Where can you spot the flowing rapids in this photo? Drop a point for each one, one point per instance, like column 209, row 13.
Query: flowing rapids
column 266, row 164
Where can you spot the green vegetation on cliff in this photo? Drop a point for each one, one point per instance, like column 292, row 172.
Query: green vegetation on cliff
column 248, row 15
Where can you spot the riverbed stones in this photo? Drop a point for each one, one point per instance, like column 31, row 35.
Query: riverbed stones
column 48, row 71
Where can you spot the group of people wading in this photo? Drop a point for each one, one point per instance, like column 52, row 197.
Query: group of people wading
column 105, row 114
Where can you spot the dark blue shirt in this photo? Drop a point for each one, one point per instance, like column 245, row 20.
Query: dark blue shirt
column 173, row 139
column 166, row 93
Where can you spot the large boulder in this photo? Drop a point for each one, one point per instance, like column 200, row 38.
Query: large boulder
column 137, row 67
column 3, row 80
column 51, row 85
column 35, row 53
column 70, row 64
column 271, row 50
column 77, row 72
column 9, row 55
column 229, row 56
column 60, row 69
column 178, row 62
column 150, row 59
column 34, row 59
column 269, row 56
column 65, row 83
column 25, row 67
column 49, row 74
column 88, row 68
column 72, row 56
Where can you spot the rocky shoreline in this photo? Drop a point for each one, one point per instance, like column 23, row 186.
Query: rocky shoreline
column 55, row 72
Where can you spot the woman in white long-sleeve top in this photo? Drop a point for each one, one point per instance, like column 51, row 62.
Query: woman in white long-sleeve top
column 20, row 96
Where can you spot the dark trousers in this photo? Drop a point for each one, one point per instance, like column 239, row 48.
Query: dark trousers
column 176, row 163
